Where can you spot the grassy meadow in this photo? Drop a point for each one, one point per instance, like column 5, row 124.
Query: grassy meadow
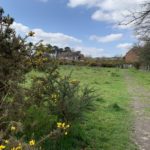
column 142, row 77
column 108, row 125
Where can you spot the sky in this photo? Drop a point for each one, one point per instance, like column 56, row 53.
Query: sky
column 91, row 26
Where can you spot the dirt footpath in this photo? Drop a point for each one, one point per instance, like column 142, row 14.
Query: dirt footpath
column 141, row 107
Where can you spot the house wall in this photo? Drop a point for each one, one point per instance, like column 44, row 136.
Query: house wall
column 131, row 57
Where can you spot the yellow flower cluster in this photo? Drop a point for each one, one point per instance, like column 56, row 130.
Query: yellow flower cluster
column 64, row 126
column 17, row 148
column 32, row 142
column 54, row 97
column 13, row 128
column 6, row 141
column 2, row 147
column 74, row 81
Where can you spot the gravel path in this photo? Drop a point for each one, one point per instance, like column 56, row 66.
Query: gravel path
column 141, row 102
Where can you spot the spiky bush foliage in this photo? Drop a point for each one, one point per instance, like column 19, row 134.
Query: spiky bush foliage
column 14, row 53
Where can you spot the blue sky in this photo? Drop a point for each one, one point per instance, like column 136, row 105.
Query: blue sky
column 87, row 25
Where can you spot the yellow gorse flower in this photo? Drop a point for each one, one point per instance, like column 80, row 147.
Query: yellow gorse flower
column 63, row 125
column 19, row 147
column 59, row 124
column 54, row 97
column 6, row 141
column 13, row 128
column 32, row 142
column 68, row 126
column 2, row 147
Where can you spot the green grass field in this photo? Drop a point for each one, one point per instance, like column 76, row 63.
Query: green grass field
column 142, row 77
column 108, row 125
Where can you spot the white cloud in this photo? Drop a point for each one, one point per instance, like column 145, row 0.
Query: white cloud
column 20, row 28
column 125, row 46
column 112, row 11
column 116, row 16
column 89, row 3
column 101, row 16
column 91, row 51
column 107, row 38
column 58, row 39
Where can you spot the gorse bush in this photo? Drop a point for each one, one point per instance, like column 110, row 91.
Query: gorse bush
column 61, row 98
column 13, row 55
column 47, row 109
column 54, row 104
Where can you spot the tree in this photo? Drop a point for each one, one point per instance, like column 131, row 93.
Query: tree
column 145, row 55
column 67, row 49
column 1, row 13
column 141, row 21
column 55, row 50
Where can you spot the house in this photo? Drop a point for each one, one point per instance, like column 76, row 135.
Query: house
column 71, row 56
column 132, row 56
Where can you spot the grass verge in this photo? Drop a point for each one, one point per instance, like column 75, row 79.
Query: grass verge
column 108, row 126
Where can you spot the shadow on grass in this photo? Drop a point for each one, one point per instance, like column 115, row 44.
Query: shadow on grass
column 115, row 107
